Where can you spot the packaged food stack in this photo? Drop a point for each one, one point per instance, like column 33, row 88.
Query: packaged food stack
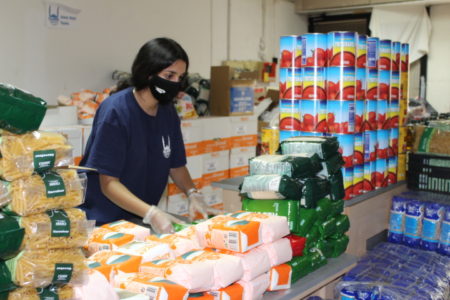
column 421, row 220
column 40, row 230
column 393, row 271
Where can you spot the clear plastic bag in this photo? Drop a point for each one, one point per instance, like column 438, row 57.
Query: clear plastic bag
column 63, row 293
column 325, row 147
column 295, row 166
column 271, row 187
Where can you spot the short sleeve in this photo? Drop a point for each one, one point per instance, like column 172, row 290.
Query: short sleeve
column 178, row 158
column 107, row 151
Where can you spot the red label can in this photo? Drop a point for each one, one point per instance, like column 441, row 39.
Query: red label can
column 290, row 83
column 370, row 145
column 313, row 115
column 369, row 176
column 314, row 46
column 384, row 62
column 288, row 46
column 358, row 154
column 393, row 110
column 381, row 173
column 405, row 57
column 359, row 115
column 346, row 147
column 361, row 84
column 382, row 114
column 383, row 143
column 393, row 142
column 370, row 115
column 342, row 48
column 341, row 83
column 373, row 54
column 395, row 58
column 395, row 85
column 358, row 179
column 372, row 84
column 290, row 115
column 347, row 173
column 314, row 83
column 361, row 51
column 341, row 116
column 392, row 170
column 384, row 83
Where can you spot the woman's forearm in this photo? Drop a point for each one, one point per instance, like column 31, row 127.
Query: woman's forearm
column 182, row 178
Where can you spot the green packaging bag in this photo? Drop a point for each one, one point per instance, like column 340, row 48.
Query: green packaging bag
column 340, row 245
column 271, row 187
column 6, row 283
column 337, row 191
column 324, row 147
column 301, row 266
column 342, row 225
column 324, row 209
column 295, row 166
column 307, row 218
column 313, row 189
column 317, row 259
column 286, row 208
column 327, row 228
column 331, row 165
column 11, row 236
column 20, row 111
column 325, row 247
column 337, row 207
column 312, row 236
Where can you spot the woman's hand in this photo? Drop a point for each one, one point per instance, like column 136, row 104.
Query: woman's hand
column 160, row 221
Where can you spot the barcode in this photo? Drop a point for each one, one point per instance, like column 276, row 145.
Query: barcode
column 151, row 292
column 104, row 247
column 233, row 241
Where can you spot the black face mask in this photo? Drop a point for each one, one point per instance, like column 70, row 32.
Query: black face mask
column 163, row 90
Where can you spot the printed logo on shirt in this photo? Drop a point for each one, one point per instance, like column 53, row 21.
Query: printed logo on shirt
column 160, row 90
column 166, row 148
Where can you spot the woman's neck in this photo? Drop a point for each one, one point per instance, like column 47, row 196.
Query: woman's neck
column 146, row 101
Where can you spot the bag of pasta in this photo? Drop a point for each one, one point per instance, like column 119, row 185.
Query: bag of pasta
column 40, row 268
column 38, row 193
column 37, row 151
column 54, row 292
column 56, row 229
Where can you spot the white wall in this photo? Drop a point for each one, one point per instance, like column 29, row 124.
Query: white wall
column 49, row 62
column 438, row 85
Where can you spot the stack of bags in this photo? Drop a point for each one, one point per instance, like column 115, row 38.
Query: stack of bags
column 41, row 233
column 305, row 185
column 239, row 256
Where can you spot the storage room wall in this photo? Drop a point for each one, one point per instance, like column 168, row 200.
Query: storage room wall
column 438, row 85
column 50, row 62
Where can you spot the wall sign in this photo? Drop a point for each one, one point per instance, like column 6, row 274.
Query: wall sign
column 61, row 16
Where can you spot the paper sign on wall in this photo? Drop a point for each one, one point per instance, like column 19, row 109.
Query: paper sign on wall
column 61, row 16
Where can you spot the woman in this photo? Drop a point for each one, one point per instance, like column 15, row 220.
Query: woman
column 136, row 143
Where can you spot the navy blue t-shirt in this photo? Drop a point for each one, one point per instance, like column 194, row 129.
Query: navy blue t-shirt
column 133, row 146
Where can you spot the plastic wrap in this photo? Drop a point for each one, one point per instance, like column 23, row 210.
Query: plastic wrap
column 312, row 190
column 6, row 283
column 297, row 244
column 397, row 219
column 11, row 236
column 105, row 239
column 271, row 187
column 30, row 195
column 324, row 209
column 295, row 166
column 123, row 226
column 62, row 293
column 431, row 140
column 40, row 268
column 35, row 151
column 337, row 191
column 337, row 207
column 327, row 228
column 339, row 245
column 301, row 266
column 312, row 236
column 307, row 219
column 331, row 165
column 325, row 147
column 342, row 225
column 444, row 239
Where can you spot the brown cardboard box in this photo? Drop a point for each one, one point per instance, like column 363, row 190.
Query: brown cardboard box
column 229, row 96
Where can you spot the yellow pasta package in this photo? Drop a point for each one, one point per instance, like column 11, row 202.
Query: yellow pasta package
column 40, row 268
column 38, row 193
column 54, row 229
column 24, row 154
column 62, row 293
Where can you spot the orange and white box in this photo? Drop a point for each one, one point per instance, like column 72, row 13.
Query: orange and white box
column 192, row 131
column 213, row 196
column 216, row 134
column 231, row 292
column 123, row 226
column 156, row 288
column 148, row 250
column 111, row 262
column 215, row 166
column 74, row 136
column 280, row 277
column 239, row 158
column 195, row 167
column 244, row 131
column 105, row 239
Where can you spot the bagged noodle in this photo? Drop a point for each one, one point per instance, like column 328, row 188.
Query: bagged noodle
column 271, row 187
column 325, row 147
column 62, row 293
column 300, row 165
column 35, row 151
column 40, row 268
column 30, row 195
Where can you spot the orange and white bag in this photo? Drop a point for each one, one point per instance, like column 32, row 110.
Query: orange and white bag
column 280, row 277
column 110, row 262
column 254, row 289
column 254, row 262
column 232, row 292
column 105, row 239
column 279, row 251
column 123, row 226
column 178, row 244
column 147, row 250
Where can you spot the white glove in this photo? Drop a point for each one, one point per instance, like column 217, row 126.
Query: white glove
column 197, row 204
column 160, row 221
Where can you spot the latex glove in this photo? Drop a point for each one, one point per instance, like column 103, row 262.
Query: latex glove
column 197, row 204
column 160, row 221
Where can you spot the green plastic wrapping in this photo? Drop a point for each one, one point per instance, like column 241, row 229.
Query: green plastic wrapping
column 6, row 283
column 20, row 111
column 312, row 236
column 178, row 227
column 313, row 189
column 337, row 207
column 323, row 209
column 340, row 245
column 325, row 247
column 324, row 147
column 307, row 218
column 342, row 225
column 295, row 166
column 301, row 266
column 317, row 260
column 337, row 191
column 271, row 187
column 331, row 165
column 327, row 228
column 286, row 208
column 11, row 236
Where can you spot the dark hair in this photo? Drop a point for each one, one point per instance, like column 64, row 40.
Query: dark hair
column 153, row 57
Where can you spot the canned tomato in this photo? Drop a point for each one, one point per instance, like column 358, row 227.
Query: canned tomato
column 341, row 116
column 372, row 84
column 393, row 110
column 341, row 83
column 314, row 83
column 369, row 176
column 307, row 133
column 405, row 57
column 381, row 173
column 290, row 115
column 270, row 140
column 358, row 154
column 382, row 114
column 361, row 84
column 288, row 45
column 358, row 178
column 285, row 134
column 346, row 147
column 392, row 170
column 395, row 85
column 383, row 143
column 395, row 57
column 384, row 83
column 359, row 115
column 314, row 46
column 404, row 84
column 373, row 45
column 347, row 173
column 370, row 145
column 290, row 83
column 403, row 109
column 313, row 115
column 401, row 168
column 361, row 51
column 393, row 142
column 341, row 48
column 370, row 115
column 384, row 62
column 402, row 132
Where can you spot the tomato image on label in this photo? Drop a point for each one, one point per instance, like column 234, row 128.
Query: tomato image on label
column 368, row 182
column 384, row 62
column 381, row 173
column 359, row 115
column 341, row 83
column 395, row 56
column 287, row 50
column 395, row 86
column 346, row 147
column 313, row 84
column 372, row 84
column 314, row 52
column 382, row 111
column 405, row 57
column 358, row 154
column 341, row 116
column 313, row 115
column 370, row 115
column 361, row 84
column 290, row 115
column 382, row 143
column 361, row 51
column 341, row 48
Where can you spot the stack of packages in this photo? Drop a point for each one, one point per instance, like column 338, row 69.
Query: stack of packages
column 421, row 220
column 40, row 230
column 233, row 256
column 394, row 272
column 305, row 185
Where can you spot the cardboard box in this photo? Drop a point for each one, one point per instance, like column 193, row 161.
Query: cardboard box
column 192, row 131
column 178, row 204
column 239, row 160
column 244, row 131
column 74, row 135
column 213, row 196
column 216, row 134
column 215, row 166
column 231, row 96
